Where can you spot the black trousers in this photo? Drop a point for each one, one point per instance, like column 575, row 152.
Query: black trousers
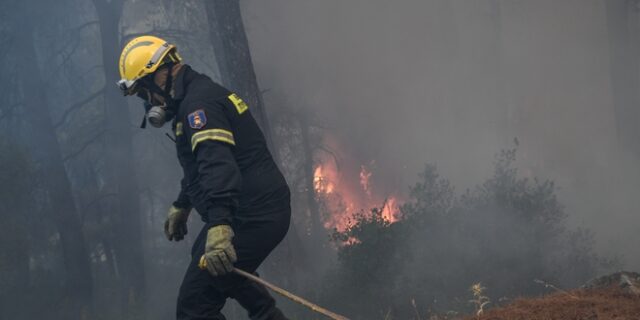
column 202, row 296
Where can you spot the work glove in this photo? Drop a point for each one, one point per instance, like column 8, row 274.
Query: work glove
column 175, row 227
column 219, row 254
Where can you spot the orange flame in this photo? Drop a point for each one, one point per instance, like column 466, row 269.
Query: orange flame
column 321, row 183
column 349, row 189
column 365, row 176
column 391, row 210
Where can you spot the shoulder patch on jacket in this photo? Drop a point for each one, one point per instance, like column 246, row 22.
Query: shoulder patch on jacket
column 241, row 106
column 197, row 119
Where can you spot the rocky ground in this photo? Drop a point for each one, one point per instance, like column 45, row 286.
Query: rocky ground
column 615, row 296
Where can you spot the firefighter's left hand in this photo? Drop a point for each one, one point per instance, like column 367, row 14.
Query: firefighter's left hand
column 175, row 227
column 219, row 253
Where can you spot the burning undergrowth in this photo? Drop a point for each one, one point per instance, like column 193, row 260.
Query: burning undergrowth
column 423, row 256
column 346, row 188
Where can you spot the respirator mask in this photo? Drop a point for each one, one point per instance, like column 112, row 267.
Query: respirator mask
column 156, row 113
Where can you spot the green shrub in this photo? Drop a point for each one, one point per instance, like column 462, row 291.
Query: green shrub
column 505, row 233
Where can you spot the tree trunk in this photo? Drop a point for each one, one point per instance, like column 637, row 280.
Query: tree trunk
column 233, row 57
column 624, row 66
column 78, row 281
column 121, row 179
column 15, row 254
column 316, row 229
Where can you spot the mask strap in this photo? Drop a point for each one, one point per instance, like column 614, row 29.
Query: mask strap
column 147, row 107
column 170, row 103
column 169, row 83
column 153, row 87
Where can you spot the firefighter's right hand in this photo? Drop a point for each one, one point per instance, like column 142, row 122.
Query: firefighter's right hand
column 219, row 253
column 175, row 227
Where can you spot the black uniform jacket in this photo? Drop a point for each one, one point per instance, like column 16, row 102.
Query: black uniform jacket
column 228, row 170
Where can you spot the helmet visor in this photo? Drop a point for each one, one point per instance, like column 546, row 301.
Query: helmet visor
column 128, row 87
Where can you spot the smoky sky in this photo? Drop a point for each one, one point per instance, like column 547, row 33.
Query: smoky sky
column 452, row 82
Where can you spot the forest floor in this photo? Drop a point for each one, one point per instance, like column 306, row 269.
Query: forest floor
column 612, row 297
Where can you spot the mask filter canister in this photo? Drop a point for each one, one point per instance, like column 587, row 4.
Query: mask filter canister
column 157, row 116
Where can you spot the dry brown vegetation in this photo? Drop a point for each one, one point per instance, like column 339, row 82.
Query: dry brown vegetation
column 584, row 304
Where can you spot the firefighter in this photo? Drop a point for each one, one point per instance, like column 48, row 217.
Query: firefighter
column 230, row 179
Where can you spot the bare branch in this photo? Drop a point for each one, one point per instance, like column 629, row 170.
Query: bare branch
column 66, row 56
column 98, row 66
column 84, row 25
column 84, row 146
column 75, row 106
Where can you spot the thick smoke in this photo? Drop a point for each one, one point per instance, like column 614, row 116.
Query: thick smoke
column 386, row 85
column 452, row 82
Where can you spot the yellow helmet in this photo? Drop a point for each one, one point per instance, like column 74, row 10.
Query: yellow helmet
column 142, row 56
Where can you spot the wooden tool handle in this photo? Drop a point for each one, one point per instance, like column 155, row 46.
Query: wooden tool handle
column 314, row 307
